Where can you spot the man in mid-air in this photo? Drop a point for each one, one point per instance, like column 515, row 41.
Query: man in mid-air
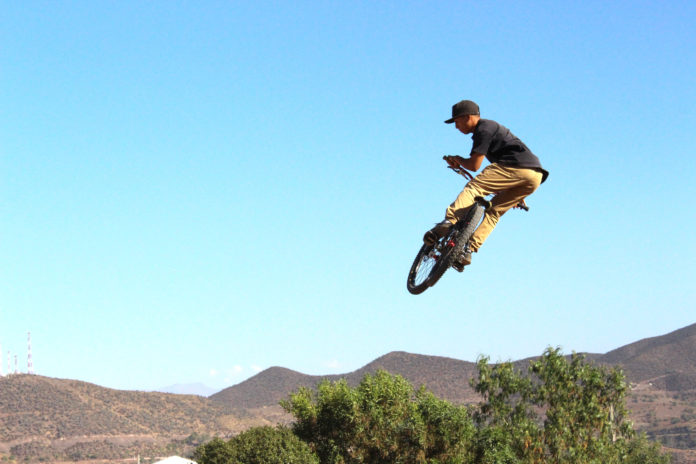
column 514, row 174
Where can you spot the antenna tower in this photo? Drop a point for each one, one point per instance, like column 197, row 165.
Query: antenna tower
column 1, row 373
column 30, row 364
column 16, row 368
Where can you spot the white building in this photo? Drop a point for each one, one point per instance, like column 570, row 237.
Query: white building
column 175, row 460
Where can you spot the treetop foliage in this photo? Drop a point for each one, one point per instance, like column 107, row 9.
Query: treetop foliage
column 258, row 445
column 560, row 411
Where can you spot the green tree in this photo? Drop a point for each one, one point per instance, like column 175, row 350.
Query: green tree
column 215, row 451
column 585, row 408
column 382, row 420
column 562, row 411
column 448, row 429
column 640, row 450
column 325, row 419
column 259, row 445
column 507, row 422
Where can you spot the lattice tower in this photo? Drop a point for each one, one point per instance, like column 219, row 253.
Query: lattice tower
column 30, row 364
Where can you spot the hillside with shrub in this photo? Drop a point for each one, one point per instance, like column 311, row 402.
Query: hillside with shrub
column 50, row 419
column 559, row 410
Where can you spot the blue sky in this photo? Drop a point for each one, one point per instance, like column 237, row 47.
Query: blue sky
column 194, row 191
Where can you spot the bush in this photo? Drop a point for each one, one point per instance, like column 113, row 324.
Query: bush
column 259, row 445
column 584, row 417
column 642, row 451
column 383, row 420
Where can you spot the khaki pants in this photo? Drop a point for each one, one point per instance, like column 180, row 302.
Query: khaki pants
column 509, row 184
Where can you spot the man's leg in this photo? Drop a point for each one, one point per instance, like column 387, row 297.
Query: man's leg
column 522, row 183
column 458, row 208
column 480, row 186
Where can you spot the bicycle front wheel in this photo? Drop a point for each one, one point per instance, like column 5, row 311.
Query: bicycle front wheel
column 419, row 275
column 431, row 262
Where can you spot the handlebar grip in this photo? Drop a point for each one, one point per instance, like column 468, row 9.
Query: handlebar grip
column 524, row 207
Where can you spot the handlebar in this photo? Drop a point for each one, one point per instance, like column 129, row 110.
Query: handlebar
column 454, row 165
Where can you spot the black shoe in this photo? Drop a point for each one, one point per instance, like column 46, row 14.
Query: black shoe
column 462, row 260
column 466, row 257
column 437, row 232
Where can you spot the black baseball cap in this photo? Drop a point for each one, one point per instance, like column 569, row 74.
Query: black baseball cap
column 463, row 108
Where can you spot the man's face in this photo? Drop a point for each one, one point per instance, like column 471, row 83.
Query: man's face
column 465, row 124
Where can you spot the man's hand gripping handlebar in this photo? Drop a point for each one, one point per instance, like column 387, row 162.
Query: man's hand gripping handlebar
column 454, row 163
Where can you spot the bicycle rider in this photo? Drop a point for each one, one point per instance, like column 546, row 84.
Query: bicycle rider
column 514, row 174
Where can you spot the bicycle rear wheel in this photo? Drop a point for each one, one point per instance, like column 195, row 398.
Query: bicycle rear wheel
column 468, row 227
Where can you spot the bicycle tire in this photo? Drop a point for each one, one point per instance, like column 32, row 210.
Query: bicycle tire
column 428, row 266
column 419, row 275
column 446, row 246
column 432, row 261
column 472, row 221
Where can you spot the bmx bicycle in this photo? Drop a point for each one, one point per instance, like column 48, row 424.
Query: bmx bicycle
column 434, row 259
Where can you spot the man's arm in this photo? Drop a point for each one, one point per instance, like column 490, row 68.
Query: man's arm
column 472, row 163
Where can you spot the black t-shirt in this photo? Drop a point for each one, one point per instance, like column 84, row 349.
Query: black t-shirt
column 501, row 146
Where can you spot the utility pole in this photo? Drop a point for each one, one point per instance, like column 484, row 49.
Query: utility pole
column 30, row 364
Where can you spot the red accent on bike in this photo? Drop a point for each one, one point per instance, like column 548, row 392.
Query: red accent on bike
column 450, row 244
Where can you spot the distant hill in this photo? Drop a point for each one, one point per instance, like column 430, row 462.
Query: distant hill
column 48, row 418
column 668, row 359
column 45, row 419
column 266, row 388
column 188, row 389
column 55, row 408
column 446, row 377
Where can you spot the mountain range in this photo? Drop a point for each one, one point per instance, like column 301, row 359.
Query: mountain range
column 47, row 419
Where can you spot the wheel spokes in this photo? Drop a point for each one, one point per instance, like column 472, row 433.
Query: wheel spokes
column 426, row 266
